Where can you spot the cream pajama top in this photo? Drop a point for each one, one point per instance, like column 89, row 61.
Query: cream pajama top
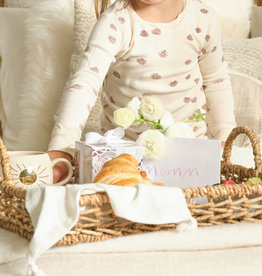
column 180, row 62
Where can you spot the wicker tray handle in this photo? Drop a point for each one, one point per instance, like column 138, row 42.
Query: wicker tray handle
column 6, row 182
column 5, row 163
column 226, row 163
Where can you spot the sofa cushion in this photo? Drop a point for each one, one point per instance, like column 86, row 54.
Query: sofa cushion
column 247, row 93
column 244, row 58
column 221, row 250
column 244, row 55
column 234, row 16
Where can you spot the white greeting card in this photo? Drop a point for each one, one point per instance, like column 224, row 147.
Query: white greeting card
column 187, row 163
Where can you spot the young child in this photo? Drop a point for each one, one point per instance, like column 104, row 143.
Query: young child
column 170, row 49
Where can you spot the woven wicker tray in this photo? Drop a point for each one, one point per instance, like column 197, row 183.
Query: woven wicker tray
column 226, row 203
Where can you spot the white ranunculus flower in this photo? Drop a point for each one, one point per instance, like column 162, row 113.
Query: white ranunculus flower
column 124, row 117
column 154, row 143
column 151, row 108
column 134, row 105
column 167, row 120
column 180, row 130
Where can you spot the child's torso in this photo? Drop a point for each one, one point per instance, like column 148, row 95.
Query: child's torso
column 158, row 59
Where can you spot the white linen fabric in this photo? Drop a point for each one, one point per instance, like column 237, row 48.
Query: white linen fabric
column 189, row 61
column 60, row 205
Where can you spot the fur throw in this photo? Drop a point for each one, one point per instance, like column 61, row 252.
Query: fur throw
column 49, row 47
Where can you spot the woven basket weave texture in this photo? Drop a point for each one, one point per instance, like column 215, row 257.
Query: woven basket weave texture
column 226, row 203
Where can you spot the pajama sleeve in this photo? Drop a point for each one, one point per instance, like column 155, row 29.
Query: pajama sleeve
column 105, row 42
column 216, row 84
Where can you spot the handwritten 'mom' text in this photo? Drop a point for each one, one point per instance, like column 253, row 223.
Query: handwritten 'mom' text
column 176, row 172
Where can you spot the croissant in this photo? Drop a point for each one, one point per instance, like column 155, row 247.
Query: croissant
column 123, row 171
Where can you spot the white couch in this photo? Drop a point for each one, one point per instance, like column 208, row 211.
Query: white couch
column 229, row 250
column 36, row 46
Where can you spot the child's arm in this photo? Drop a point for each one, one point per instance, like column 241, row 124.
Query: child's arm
column 217, row 85
column 75, row 106
column 105, row 42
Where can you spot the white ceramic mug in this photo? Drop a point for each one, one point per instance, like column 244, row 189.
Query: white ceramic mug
column 35, row 168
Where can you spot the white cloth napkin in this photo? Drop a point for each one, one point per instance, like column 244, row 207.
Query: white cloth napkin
column 55, row 209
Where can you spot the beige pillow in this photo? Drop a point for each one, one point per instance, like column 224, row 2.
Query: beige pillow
column 234, row 16
column 244, row 58
column 244, row 55
column 247, row 93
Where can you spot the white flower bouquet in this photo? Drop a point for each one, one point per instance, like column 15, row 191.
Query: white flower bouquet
column 150, row 110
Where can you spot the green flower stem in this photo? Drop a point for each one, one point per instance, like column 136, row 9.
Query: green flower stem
column 198, row 115
column 190, row 121
column 155, row 125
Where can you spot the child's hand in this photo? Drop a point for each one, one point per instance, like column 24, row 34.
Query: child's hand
column 60, row 170
column 223, row 143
